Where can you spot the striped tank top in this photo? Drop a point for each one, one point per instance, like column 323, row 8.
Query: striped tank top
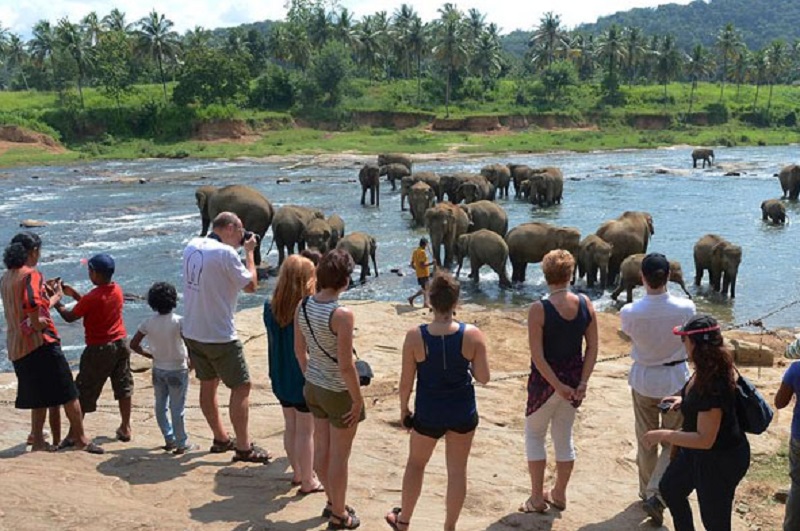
column 322, row 371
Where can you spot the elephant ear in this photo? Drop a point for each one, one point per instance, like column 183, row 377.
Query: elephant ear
column 202, row 199
column 467, row 211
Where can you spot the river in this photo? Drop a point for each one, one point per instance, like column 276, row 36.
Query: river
column 103, row 207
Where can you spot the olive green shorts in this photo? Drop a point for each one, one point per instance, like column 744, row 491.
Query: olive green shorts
column 331, row 405
column 219, row 360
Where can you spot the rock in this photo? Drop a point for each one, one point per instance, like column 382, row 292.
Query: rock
column 132, row 297
column 753, row 354
column 733, row 174
column 662, row 171
column 31, row 223
column 142, row 180
column 283, row 180
column 742, row 508
column 781, row 495
column 306, row 181
column 34, row 176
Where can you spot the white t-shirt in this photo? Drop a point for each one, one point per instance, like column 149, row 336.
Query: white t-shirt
column 649, row 323
column 213, row 276
column 163, row 336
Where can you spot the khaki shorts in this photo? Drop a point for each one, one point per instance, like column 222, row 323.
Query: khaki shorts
column 98, row 364
column 219, row 360
column 331, row 405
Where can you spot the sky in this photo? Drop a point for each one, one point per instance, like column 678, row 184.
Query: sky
column 20, row 15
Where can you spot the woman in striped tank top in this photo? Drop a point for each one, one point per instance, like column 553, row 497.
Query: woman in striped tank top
column 324, row 349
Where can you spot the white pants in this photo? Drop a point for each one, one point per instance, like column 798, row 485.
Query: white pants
column 560, row 415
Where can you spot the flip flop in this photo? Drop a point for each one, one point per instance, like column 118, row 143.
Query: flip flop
column 393, row 519
column 555, row 504
column 529, row 507
column 319, row 488
column 122, row 437
column 92, row 448
column 66, row 443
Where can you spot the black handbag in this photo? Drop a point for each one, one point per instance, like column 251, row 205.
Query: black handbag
column 362, row 367
column 752, row 411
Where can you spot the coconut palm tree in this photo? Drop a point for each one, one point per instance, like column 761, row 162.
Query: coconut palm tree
column 401, row 25
column 115, row 21
column 198, row 37
column 759, row 72
column 343, row 28
column 741, row 65
column 449, row 48
column 157, row 40
column 611, row 52
column 41, row 46
column 777, row 59
column 635, row 50
column 17, row 56
column 548, row 40
column 417, row 47
column 728, row 43
column 369, row 43
column 320, row 27
column 698, row 66
column 582, row 53
column 668, row 64
column 92, row 28
column 73, row 40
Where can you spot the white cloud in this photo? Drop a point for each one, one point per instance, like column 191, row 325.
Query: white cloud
column 21, row 15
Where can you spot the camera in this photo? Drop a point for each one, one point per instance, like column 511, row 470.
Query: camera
column 248, row 234
column 665, row 406
column 408, row 421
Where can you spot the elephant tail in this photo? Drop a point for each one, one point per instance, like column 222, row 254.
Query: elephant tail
column 270, row 245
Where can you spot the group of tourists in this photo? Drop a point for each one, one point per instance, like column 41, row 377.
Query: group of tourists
column 689, row 436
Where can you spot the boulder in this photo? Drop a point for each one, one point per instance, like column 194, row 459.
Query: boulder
column 32, row 223
column 751, row 354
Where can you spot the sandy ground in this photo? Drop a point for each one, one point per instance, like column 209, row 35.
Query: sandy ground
column 137, row 486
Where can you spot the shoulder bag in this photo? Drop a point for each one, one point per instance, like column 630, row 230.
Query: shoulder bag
column 362, row 367
column 752, row 411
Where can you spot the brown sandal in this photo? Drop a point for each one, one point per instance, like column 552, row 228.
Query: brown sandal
column 393, row 519
column 348, row 521
column 254, row 454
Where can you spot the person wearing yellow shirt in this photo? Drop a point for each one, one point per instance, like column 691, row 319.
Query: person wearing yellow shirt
column 421, row 264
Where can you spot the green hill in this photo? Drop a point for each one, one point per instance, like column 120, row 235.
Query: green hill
column 759, row 21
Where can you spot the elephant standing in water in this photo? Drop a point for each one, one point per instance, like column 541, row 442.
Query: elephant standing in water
column 520, row 173
column 593, row 256
column 289, row 226
column 631, row 276
column 706, row 155
column 318, row 234
column 395, row 158
column 337, row 225
column 773, row 209
column 546, row 186
column 421, row 197
column 529, row 242
column 370, row 179
column 395, row 172
column 628, row 234
column 721, row 258
column 475, row 188
column 789, row 177
column 483, row 247
column 486, row 215
column 428, row 177
column 500, row 176
column 445, row 223
column 254, row 210
column 361, row 247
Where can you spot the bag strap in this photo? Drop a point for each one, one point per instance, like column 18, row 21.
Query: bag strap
column 314, row 337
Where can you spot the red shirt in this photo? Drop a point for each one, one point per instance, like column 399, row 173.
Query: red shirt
column 101, row 310
column 23, row 292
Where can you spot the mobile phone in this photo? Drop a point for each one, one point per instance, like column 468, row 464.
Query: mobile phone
column 665, row 406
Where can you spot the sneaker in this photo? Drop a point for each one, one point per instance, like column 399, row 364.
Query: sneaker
column 180, row 450
column 654, row 509
column 170, row 446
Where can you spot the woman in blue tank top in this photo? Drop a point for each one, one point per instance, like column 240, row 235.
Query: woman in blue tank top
column 444, row 357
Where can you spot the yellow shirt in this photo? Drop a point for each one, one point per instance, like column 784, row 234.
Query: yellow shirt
column 419, row 260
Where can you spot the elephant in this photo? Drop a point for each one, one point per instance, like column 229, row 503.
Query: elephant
column 370, row 179
column 500, row 176
column 790, row 181
column 529, row 242
column 361, row 246
column 420, row 198
column 628, row 234
column 546, row 186
column 593, row 256
column 520, row 173
column 254, row 210
column 394, row 172
column 631, row 276
column 450, row 184
column 525, row 189
column 706, row 155
column 288, row 228
column 774, row 210
column 395, row 158
column 428, row 177
column 475, row 188
column 337, row 224
column 318, row 234
column 486, row 215
column 445, row 223
column 483, row 247
column 721, row 258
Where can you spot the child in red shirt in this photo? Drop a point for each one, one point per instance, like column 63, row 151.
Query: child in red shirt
column 106, row 353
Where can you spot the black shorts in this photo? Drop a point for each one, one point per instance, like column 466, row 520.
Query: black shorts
column 422, row 281
column 436, row 432
column 44, row 379
column 98, row 364
column 302, row 408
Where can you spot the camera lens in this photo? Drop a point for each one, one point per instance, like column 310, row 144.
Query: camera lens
column 248, row 234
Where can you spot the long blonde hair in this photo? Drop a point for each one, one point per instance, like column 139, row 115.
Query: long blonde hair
column 297, row 279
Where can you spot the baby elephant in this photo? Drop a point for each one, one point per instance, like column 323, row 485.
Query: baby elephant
column 484, row 247
column 773, row 209
column 631, row 275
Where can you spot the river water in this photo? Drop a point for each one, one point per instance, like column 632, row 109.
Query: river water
column 103, row 207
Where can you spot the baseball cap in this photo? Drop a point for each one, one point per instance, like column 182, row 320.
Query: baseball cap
column 102, row 263
column 703, row 326
column 655, row 262
column 423, row 242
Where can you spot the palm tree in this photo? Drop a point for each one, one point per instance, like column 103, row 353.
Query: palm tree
column 668, row 63
column 449, row 46
column 199, row 37
column 547, row 41
column 41, row 46
column 474, row 25
column 635, row 50
column 115, row 21
column 16, row 56
column 369, row 43
column 583, row 55
column 74, row 41
column 417, row 46
column 611, row 52
column 741, row 65
column 401, row 26
column 728, row 42
column 157, row 40
column 320, row 27
column 4, row 38
column 486, row 58
column 759, row 72
column 777, row 59
column 698, row 66
column 92, row 28
column 343, row 27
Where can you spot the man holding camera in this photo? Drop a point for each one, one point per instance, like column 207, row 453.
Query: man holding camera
column 213, row 275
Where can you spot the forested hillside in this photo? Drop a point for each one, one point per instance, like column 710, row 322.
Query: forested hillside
column 759, row 21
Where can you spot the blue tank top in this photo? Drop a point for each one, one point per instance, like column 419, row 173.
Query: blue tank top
column 562, row 339
column 284, row 370
column 445, row 395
